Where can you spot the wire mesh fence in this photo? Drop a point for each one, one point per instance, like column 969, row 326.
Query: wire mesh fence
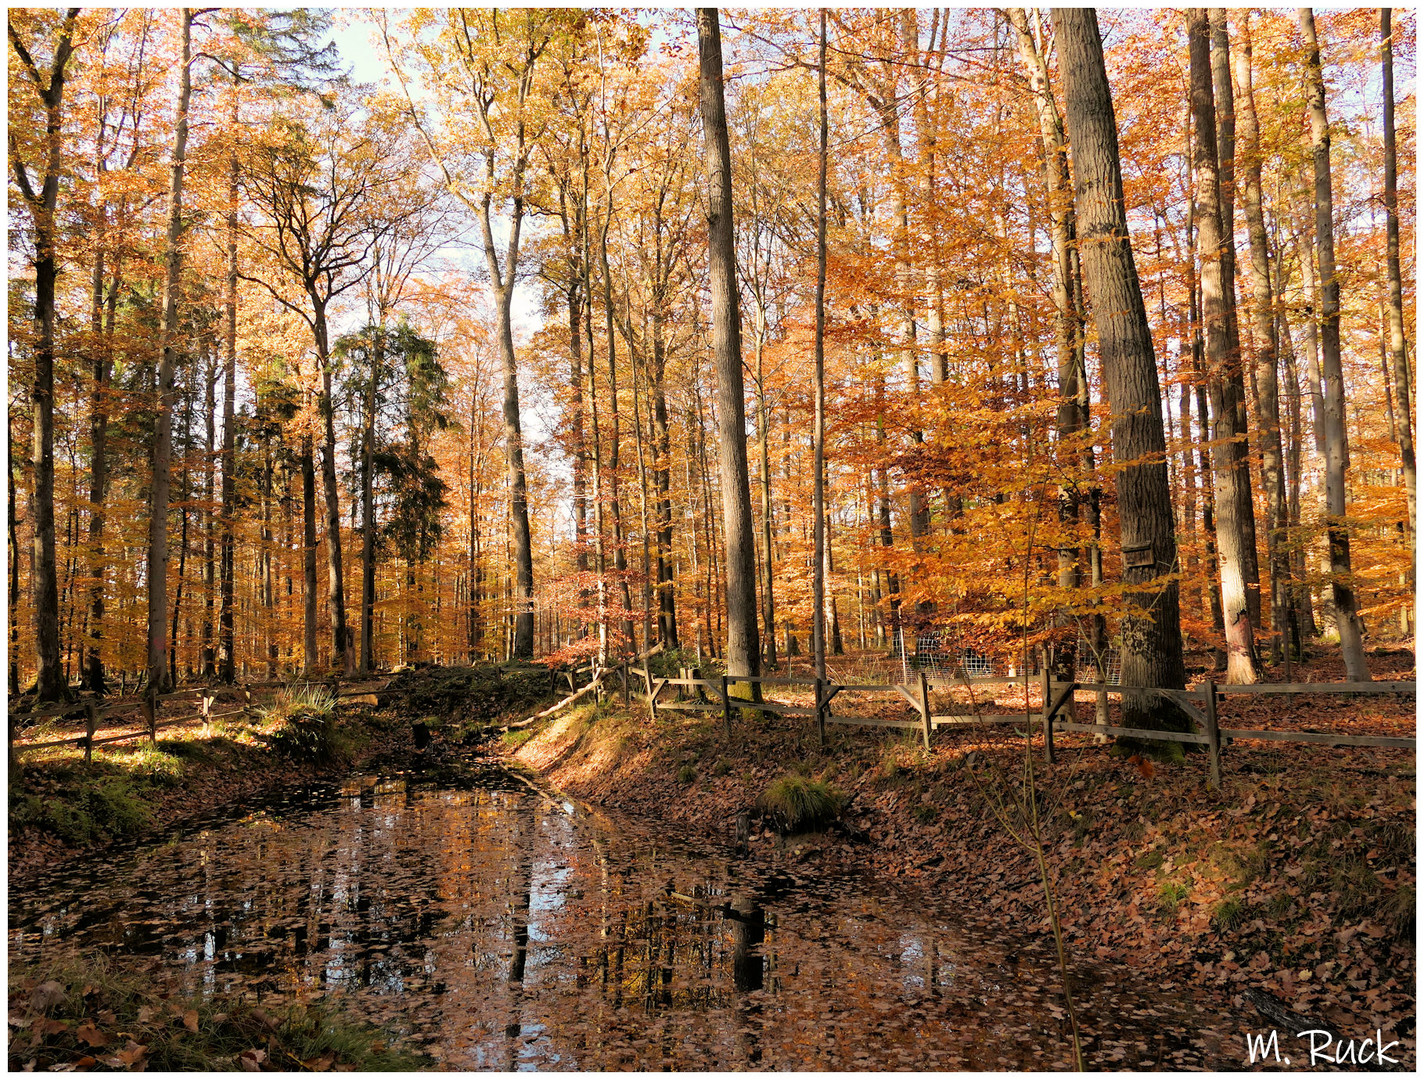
column 937, row 654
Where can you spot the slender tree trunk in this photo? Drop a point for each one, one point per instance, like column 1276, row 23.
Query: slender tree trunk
column 1268, row 417
column 1235, row 382
column 1332, row 378
column 309, row 654
column 342, row 658
column 158, row 674
column 94, row 680
column 227, row 564
column 185, row 497
column 818, row 497
column 269, row 598
column 368, row 504
column 743, row 651
column 662, row 478
column 1231, row 473
column 768, row 598
column 210, row 571
column 620, row 553
column 1398, row 350
column 1151, row 630
column 1072, row 419
column 50, row 683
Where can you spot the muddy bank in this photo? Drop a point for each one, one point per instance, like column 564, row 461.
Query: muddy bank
column 1296, row 880
column 62, row 810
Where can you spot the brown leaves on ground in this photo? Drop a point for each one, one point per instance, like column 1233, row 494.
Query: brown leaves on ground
column 1297, row 878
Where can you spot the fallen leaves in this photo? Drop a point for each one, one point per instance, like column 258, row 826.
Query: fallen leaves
column 91, row 1035
column 131, row 1057
column 251, row 1060
column 190, row 1020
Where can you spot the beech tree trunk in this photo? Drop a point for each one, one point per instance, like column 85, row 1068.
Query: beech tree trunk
column 368, row 507
column 743, row 648
column 227, row 565
column 309, row 655
column 818, row 497
column 1067, row 329
column 1342, row 590
column 1223, row 365
column 1151, row 628
column 1399, row 356
column 1235, row 382
column 50, row 683
column 158, row 674
column 1268, row 415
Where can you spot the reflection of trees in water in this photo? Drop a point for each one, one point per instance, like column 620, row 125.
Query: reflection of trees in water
column 521, row 882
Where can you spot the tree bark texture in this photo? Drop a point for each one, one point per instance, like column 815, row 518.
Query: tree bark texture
column 743, row 648
column 1231, row 472
column 1151, row 630
column 1331, row 375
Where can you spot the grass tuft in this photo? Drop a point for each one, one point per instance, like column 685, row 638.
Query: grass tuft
column 301, row 725
column 797, row 804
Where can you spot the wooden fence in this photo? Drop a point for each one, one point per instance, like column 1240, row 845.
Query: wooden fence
column 1056, row 715
column 147, row 707
column 1200, row 703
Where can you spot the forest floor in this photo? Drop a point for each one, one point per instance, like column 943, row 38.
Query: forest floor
column 1296, row 880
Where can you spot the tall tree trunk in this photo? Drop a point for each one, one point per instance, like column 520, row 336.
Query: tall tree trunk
column 341, row 656
column 94, row 680
column 368, row 505
column 1268, row 416
column 578, row 449
column 1151, row 629
column 158, row 674
column 269, row 598
column 1235, row 384
column 1342, row 589
column 227, row 547
column 662, row 479
column 309, row 654
column 743, row 650
column 818, row 496
column 1398, row 350
column 50, row 684
column 1230, row 458
column 768, row 598
column 620, row 552
column 210, row 571
column 1068, row 338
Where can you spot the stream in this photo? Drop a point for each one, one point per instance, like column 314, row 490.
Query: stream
column 494, row 927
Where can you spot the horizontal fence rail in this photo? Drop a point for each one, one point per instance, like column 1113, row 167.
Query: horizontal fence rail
column 697, row 693
column 1199, row 702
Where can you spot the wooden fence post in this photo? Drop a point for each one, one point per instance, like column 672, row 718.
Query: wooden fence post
column 925, row 706
column 726, row 709
column 1047, row 705
column 91, row 724
column 820, row 714
column 1213, row 737
column 648, row 686
column 623, row 674
column 150, row 713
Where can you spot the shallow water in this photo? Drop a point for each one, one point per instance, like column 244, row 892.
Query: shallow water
column 496, row 928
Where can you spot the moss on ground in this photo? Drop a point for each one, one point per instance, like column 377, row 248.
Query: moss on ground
column 87, row 1013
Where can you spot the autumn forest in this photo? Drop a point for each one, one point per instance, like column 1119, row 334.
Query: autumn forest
column 340, row 341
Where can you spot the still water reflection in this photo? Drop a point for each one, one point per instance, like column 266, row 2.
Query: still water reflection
column 499, row 929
